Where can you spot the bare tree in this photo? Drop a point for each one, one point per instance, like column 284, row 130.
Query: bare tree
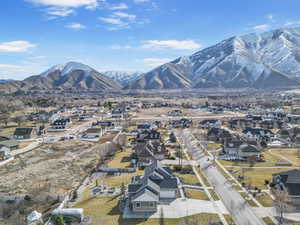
column 280, row 202
column 19, row 120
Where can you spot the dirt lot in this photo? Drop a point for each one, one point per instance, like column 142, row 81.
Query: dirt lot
column 59, row 167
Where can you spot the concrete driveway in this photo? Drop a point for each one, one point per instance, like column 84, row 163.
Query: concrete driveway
column 179, row 208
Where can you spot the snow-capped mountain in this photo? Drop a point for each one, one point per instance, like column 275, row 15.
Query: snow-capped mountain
column 270, row 59
column 70, row 76
column 123, row 77
column 67, row 68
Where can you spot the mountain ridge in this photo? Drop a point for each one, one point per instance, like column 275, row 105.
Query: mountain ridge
column 239, row 61
column 71, row 76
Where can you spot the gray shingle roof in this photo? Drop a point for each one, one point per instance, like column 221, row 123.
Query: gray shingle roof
column 145, row 195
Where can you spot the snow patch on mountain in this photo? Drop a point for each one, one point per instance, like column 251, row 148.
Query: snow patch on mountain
column 67, row 68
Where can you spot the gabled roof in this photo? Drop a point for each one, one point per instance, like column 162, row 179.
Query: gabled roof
column 156, row 177
column 145, row 195
column 23, row 131
column 248, row 148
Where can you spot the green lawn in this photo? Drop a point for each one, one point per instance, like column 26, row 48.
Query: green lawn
column 202, row 175
column 116, row 181
column 121, row 160
column 256, row 177
column 188, row 178
column 270, row 161
column 229, row 219
column 213, row 146
column 214, row 195
column 196, row 194
column 265, row 200
column 250, row 201
column 268, row 221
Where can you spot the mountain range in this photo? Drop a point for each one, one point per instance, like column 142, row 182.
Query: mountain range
column 124, row 78
column 71, row 76
column 267, row 60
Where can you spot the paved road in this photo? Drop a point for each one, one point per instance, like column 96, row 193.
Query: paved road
column 242, row 213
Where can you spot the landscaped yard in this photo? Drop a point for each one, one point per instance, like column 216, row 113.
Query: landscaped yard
column 213, row 146
column 105, row 210
column 250, row 201
column 270, row 161
column 265, row 200
column 121, row 160
column 256, row 177
column 202, row 175
column 188, row 178
column 196, row 194
column 116, row 181
column 214, row 194
column 268, row 221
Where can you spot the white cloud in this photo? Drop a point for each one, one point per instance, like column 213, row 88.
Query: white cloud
column 291, row 23
column 63, row 8
column 271, row 18
column 16, row 46
column 67, row 3
column 76, row 26
column 141, row 1
column 62, row 12
column 114, row 21
column 261, row 27
column 171, row 44
column 156, row 61
column 124, row 15
column 119, row 6
column 119, row 47
column 23, row 69
column 39, row 57
column 8, row 66
column 119, row 20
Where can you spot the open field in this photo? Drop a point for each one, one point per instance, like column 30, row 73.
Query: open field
column 105, row 210
column 291, row 154
column 58, row 168
column 163, row 113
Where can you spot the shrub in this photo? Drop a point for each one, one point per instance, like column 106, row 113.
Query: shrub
column 267, row 182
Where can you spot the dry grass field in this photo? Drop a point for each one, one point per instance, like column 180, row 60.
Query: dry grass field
column 57, row 168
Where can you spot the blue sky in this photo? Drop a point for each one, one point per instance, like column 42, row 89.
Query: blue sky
column 130, row 35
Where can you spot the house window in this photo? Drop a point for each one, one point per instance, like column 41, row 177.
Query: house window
column 151, row 204
column 138, row 205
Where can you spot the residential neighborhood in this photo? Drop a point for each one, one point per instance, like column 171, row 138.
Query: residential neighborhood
column 146, row 163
